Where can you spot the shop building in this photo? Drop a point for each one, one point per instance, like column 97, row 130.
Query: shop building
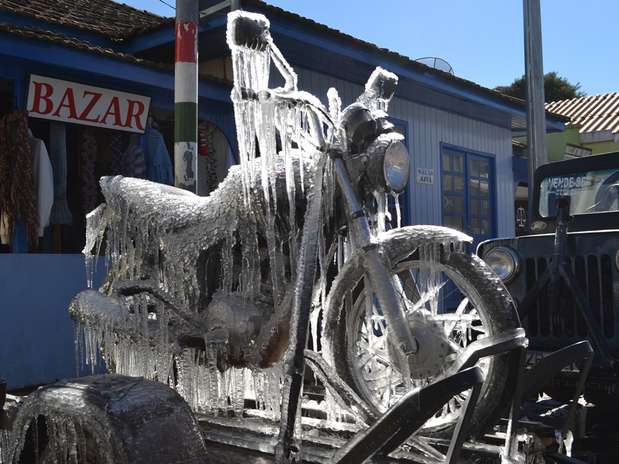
column 58, row 56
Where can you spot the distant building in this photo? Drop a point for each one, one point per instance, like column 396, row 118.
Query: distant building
column 593, row 126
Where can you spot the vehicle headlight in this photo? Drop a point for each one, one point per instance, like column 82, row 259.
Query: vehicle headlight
column 396, row 166
column 504, row 262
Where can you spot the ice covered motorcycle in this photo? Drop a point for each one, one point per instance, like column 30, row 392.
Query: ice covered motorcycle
column 201, row 288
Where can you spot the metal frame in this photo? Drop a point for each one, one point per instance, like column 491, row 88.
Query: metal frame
column 533, row 380
column 402, row 420
column 409, row 414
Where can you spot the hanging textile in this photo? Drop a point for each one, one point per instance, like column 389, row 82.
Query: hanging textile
column 17, row 193
column 117, row 145
column 43, row 181
column 207, row 163
column 87, row 170
column 134, row 164
column 58, row 155
column 157, row 158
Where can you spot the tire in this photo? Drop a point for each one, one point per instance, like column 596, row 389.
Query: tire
column 108, row 419
column 495, row 307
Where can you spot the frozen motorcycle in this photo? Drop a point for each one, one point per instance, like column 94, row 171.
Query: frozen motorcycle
column 210, row 294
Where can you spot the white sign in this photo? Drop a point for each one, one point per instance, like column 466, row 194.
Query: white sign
column 84, row 104
column 425, row 176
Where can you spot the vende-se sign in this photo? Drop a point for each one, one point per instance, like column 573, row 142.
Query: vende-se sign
column 84, row 104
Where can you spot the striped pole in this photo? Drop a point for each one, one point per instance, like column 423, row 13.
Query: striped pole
column 186, row 95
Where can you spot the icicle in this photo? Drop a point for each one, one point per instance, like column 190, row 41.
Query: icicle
column 381, row 211
column 335, row 105
column 398, row 213
column 96, row 225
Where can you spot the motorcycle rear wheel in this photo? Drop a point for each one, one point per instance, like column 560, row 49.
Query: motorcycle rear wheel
column 489, row 311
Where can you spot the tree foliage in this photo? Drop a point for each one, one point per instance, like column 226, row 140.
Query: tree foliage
column 555, row 88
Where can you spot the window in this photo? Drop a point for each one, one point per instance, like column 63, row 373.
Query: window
column 468, row 192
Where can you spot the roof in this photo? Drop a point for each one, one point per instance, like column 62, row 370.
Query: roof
column 105, row 17
column 597, row 113
column 72, row 42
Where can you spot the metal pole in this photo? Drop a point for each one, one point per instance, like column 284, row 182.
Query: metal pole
column 536, row 116
column 186, row 95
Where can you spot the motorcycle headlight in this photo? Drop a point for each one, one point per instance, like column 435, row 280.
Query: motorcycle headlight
column 396, row 166
column 504, row 262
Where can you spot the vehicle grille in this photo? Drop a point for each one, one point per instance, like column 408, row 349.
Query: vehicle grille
column 595, row 276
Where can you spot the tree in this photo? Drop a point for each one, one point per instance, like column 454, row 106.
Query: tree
column 555, row 88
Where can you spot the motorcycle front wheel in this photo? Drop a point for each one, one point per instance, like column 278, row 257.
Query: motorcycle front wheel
column 451, row 298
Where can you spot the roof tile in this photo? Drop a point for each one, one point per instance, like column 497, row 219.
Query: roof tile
column 106, row 17
column 595, row 113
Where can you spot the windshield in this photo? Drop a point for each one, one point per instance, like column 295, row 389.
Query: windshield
column 590, row 192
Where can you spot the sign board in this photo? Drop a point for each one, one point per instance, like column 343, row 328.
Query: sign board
column 425, row 176
column 66, row 101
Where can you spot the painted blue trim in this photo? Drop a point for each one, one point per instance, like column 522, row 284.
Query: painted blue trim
column 29, row 21
column 55, row 56
column 520, row 166
column 167, row 35
column 449, row 146
column 149, row 40
column 491, row 174
column 17, row 76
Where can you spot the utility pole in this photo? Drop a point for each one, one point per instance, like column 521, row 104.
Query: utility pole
column 536, row 115
column 186, row 95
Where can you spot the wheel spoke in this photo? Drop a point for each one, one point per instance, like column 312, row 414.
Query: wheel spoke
column 429, row 295
column 459, row 312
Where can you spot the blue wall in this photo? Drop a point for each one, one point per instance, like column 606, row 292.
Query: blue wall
column 36, row 332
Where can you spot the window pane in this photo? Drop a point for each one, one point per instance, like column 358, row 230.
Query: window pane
column 484, row 169
column 474, row 186
column 474, row 168
column 447, row 183
column 474, row 205
column 485, row 208
column 459, row 184
column 485, row 227
column 475, row 225
column 458, row 164
column 454, row 222
column 483, row 186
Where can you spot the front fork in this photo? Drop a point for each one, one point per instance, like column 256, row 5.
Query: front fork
column 376, row 271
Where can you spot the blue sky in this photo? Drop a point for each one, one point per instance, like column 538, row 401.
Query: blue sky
column 481, row 39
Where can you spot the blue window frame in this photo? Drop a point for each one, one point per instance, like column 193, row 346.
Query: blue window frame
column 468, row 192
